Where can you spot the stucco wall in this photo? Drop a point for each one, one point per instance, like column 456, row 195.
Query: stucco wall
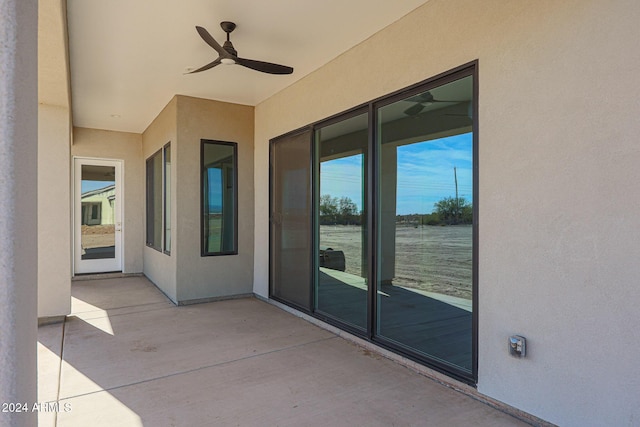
column 18, row 206
column 159, row 267
column 127, row 147
column 206, row 277
column 559, row 224
column 54, row 211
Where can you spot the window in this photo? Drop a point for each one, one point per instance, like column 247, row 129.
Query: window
column 95, row 212
column 167, row 199
column 219, row 198
column 158, row 200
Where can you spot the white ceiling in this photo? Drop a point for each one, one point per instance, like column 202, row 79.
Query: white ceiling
column 128, row 57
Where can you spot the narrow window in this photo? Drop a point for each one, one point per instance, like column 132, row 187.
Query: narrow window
column 167, row 198
column 158, row 204
column 219, row 198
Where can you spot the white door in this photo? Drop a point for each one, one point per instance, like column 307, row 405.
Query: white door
column 97, row 215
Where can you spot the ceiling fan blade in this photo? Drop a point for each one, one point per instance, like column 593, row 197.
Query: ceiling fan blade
column 427, row 98
column 206, row 67
column 414, row 110
column 265, row 67
column 208, row 38
column 423, row 97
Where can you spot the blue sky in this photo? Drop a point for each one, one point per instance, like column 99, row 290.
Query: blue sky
column 343, row 178
column 93, row 185
column 425, row 174
column 215, row 189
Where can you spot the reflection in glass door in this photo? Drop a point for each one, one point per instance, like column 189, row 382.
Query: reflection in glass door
column 390, row 240
column 425, row 224
column 98, row 222
column 342, row 274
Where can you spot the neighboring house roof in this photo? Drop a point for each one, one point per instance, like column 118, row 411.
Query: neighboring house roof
column 98, row 191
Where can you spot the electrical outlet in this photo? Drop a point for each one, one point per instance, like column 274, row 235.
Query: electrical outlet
column 517, row 346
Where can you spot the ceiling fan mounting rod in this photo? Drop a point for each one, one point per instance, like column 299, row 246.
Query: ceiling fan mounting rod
column 228, row 27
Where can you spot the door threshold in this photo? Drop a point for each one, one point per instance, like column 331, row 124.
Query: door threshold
column 106, row 275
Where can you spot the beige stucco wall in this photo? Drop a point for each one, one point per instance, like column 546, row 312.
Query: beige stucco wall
column 54, row 211
column 185, row 276
column 207, row 277
column 559, row 224
column 127, row 147
column 18, row 207
column 159, row 267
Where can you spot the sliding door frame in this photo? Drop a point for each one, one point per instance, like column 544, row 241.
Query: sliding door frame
column 470, row 69
column 372, row 204
column 272, row 143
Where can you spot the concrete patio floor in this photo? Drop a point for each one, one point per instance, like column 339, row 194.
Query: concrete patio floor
column 132, row 358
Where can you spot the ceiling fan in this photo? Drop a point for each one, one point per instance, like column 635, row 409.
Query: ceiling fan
column 228, row 55
column 421, row 101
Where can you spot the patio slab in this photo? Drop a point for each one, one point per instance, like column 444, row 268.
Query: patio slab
column 237, row 362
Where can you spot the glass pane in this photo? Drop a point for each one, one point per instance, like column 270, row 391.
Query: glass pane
column 167, row 198
column 341, row 290
column 98, row 188
column 425, row 255
column 154, row 201
column 218, row 192
column 291, row 219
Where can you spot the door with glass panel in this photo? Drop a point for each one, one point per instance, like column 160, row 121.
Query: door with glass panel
column 390, row 239
column 342, row 280
column 291, row 220
column 97, row 215
column 425, row 223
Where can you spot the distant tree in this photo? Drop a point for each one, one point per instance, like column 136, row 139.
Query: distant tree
column 335, row 210
column 430, row 219
column 452, row 210
column 328, row 209
column 347, row 211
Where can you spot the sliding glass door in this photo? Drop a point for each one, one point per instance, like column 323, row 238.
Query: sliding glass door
column 374, row 221
column 342, row 272
column 291, row 219
column 425, row 223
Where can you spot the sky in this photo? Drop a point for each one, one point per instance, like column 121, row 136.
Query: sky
column 425, row 174
column 93, row 185
column 215, row 189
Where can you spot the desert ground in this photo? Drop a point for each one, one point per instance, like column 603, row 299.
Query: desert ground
column 98, row 236
column 429, row 258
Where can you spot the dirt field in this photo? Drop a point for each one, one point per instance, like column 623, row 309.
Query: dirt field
column 98, row 236
column 429, row 258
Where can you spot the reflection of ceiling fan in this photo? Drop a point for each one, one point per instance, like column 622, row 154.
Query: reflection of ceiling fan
column 423, row 100
column 228, row 55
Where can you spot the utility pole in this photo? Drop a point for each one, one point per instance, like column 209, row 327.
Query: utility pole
column 455, row 177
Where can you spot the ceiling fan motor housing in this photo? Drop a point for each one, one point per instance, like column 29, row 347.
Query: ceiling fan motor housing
column 229, row 48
